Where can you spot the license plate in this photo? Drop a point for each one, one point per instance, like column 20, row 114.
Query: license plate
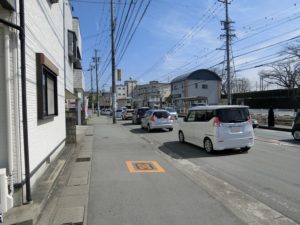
column 235, row 129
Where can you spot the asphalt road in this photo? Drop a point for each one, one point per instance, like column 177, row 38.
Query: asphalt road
column 269, row 172
column 228, row 187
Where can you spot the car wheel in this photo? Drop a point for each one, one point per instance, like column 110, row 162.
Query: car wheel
column 208, row 146
column 296, row 135
column 245, row 149
column 181, row 137
column 149, row 128
column 170, row 129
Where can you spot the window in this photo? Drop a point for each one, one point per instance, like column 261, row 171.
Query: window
column 191, row 116
column 200, row 116
column 72, row 43
column 204, row 86
column 233, row 115
column 46, row 87
column 196, row 85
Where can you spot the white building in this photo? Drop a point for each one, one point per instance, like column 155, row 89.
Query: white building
column 53, row 70
column 200, row 86
column 153, row 94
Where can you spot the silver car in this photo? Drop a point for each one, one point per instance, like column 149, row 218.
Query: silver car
column 157, row 119
column 172, row 112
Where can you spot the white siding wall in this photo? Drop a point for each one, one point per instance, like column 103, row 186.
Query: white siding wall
column 68, row 26
column 78, row 79
column 178, row 90
column 212, row 92
column 3, row 127
column 44, row 33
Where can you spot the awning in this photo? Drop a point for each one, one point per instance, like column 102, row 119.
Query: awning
column 69, row 95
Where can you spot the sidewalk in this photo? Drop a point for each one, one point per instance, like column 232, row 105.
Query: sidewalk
column 60, row 195
column 276, row 127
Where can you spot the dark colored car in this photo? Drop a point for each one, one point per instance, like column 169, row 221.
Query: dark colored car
column 138, row 114
column 296, row 127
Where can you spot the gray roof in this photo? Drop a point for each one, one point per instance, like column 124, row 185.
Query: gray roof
column 202, row 74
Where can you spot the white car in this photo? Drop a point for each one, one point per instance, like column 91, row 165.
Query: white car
column 218, row 127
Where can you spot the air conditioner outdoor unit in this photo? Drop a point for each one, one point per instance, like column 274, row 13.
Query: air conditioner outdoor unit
column 6, row 201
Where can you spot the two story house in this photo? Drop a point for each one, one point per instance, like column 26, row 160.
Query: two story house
column 200, row 86
column 53, row 76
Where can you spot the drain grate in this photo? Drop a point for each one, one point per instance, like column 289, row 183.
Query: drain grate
column 86, row 159
column 89, row 135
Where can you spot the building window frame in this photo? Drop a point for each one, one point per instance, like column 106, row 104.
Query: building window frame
column 47, row 95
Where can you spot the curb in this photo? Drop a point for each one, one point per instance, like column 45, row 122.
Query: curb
column 275, row 128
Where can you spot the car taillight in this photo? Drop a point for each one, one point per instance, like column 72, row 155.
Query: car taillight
column 152, row 118
column 216, row 122
column 171, row 118
column 249, row 120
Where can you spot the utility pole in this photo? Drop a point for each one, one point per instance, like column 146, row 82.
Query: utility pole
column 228, row 37
column 96, row 61
column 92, row 98
column 113, row 61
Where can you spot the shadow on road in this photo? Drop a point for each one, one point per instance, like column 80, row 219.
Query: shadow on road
column 179, row 150
column 290, row 141
column 143, row 131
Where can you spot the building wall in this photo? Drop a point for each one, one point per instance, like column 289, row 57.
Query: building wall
column 44, row 33
column 121, row 92
column 3, row 115
column 68, row 26
column 212, row 91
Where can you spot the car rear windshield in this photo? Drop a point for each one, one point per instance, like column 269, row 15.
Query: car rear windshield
column 170, row 110
column 233, row 115
column 161, row 114
column 119, row 110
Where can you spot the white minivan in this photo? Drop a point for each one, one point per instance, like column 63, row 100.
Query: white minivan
column 218, row 127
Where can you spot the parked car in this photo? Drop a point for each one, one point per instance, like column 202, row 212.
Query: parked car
column 157, row 119
column 138, row 114
column 172, row 111
column 107, row 112
column 119, row 113
column 296, row 127
column 218, row 127
column 127, row 114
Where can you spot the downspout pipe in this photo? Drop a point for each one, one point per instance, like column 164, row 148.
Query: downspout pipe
column 21, row 28
column 8, row 109
column 24, row 102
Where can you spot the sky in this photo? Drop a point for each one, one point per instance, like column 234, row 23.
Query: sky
column 175, row 37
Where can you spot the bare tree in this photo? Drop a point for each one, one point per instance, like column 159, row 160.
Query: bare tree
column 223, row 77
column 285, row 74
column 239, row 85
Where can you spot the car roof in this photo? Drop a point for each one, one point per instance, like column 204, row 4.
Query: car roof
column 218, row 107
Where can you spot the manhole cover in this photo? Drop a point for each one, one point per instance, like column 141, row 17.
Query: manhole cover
column 144, row 167
column 87, row 159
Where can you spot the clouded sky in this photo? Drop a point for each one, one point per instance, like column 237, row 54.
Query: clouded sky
column 175, row 36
